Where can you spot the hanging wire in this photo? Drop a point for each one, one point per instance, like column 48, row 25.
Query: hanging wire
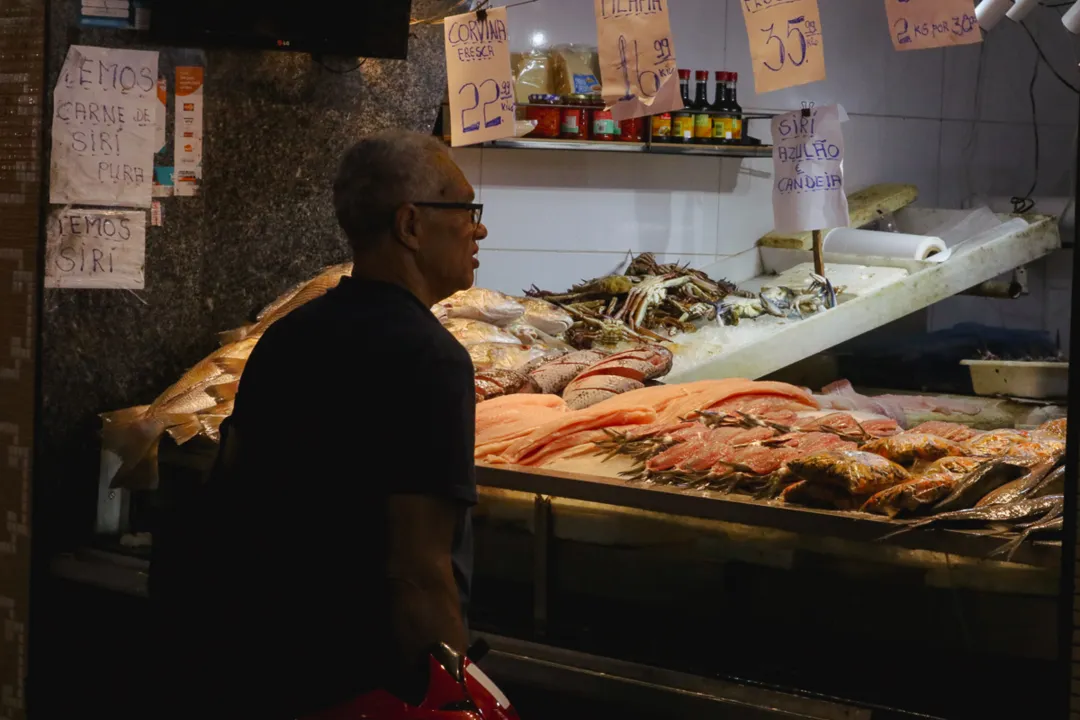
column 463, row 7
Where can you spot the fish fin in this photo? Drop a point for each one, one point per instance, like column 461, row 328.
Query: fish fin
column 1009, row 549
column 232, row 366
column 911, row 525
column 125, row 416
column 142, row 474
column 132, row 441
column 224, row 391
column 228, row 337
column 185, row 431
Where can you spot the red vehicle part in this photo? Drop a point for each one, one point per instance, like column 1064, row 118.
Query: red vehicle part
column 457, row 690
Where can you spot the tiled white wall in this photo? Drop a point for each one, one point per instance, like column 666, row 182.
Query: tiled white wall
column 916, row 117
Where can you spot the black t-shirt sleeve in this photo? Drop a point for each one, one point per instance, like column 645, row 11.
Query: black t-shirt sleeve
column 438, row 416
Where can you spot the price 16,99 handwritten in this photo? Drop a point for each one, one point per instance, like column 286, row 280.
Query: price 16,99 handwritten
column 785, row 42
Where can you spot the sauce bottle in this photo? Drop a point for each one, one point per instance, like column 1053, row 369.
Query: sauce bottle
column 731, row 98
column 703, row 120
column 721, row 123
column 682, row 121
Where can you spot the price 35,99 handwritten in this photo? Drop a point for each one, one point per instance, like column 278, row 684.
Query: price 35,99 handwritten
column 785, row 42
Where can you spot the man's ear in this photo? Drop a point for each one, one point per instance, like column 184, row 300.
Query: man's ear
column 407, row 225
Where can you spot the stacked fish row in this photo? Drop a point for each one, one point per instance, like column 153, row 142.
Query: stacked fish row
column 517, row 348
column 202, row 398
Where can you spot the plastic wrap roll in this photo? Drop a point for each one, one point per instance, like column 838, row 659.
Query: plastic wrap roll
column 1071, row 19
column 869, row 243
column 990, row 12
column 1021, row 9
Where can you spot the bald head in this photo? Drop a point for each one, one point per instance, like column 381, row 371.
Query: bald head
column 381, row 173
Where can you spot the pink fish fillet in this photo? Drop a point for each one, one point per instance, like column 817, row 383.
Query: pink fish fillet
column 608, row 414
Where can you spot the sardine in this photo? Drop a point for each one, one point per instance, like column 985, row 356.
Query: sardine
column 1021, row 487
column 1011, row 512
column 976, row 484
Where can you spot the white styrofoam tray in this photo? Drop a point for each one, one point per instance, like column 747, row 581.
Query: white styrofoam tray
column 1011, row 378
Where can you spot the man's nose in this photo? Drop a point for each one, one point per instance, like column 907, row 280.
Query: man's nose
column 481, row 232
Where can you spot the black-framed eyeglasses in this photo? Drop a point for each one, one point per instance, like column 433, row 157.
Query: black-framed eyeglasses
column 477, row 209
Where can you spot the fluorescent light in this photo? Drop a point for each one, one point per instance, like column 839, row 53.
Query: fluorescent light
column 990, row 12
column 538, row 39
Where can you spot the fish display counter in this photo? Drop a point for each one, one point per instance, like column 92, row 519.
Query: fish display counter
column 628, row 515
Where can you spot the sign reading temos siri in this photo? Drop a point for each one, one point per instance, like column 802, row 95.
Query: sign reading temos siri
column 785, row 42
column 480, row 80
column 95, row 249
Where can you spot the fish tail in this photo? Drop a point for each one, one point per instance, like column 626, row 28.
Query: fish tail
column 235, row 335
column 134, row 439
column 232, row 366
column 184, row 431
column 224, row 391
column 1009, row 549
column 908, row 528
column 125, row 416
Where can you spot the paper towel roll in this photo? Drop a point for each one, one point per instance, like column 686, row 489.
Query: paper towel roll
column 1021, row 9
column 1071, row 19
column 869, row 243
column 990, row 12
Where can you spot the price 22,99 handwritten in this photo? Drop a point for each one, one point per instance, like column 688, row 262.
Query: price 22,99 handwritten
column 664, row 56
column 801, row 34
column 502, row 94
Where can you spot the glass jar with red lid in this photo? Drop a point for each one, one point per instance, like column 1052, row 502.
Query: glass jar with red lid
column 575, row 117
column 545, row 110
column 632, row 130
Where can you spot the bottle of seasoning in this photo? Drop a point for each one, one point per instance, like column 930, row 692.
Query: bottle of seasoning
column 682, row 121
column 661, row 128
column 703, row 121
column 575, row 118
column 735, row 123
column 721, row 123
column 632, row 130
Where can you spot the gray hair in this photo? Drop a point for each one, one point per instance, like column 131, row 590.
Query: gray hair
column 381, row 173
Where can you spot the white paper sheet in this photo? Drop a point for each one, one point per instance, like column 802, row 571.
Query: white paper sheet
column 808, row 164
column 95, row 249
column 104, row 127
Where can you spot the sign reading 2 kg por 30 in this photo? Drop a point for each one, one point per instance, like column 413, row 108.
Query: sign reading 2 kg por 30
column 785, row 42
column 480, row 81
column 921, row 24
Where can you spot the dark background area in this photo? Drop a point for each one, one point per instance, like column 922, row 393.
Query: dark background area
column 276, row 125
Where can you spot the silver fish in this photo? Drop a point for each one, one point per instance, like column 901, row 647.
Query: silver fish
column 978, row 483
column 1007, row 512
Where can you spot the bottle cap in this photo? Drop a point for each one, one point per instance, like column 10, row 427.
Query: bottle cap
column 702, row 74
column 684, row 74
column 721, row 76
column 733, row 76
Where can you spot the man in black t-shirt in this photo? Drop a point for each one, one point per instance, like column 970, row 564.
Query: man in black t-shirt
column 331, row 547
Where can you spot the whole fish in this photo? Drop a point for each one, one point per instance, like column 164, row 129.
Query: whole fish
column 291, row 299
column 1021, row 487
column 1050, row 524
column 976, row 484
column 1052, row 484
column 1011, row 512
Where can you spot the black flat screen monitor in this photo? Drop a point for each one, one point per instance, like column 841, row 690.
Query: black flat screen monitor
column 359, row 28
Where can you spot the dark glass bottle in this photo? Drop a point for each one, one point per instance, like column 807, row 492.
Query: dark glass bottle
column 703, row 120
column 735, row 124
column 721, row 123
column 682, row 121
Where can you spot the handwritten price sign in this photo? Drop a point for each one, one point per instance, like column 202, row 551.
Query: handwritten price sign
column 637, row 58
column 808, row 170
column 478, row 72
column 921, row 24
column 785, row 42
